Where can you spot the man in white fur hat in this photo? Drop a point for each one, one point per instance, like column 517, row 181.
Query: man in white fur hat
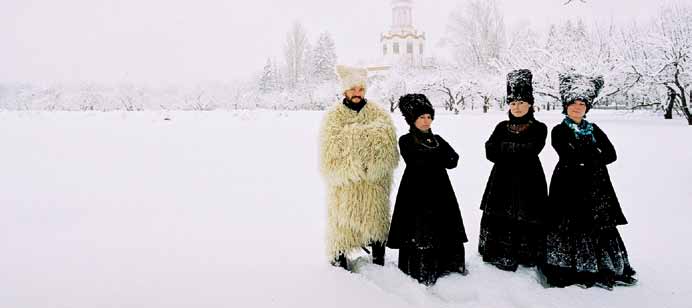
column 358, row 154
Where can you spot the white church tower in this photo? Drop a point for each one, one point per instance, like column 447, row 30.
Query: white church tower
column 403, row 44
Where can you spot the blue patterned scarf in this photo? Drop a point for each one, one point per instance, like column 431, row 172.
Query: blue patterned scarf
column 583, row 129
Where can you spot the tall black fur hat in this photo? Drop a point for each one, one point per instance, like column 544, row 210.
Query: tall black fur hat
column 414, row 105
column 520, row 86
column 579, row 87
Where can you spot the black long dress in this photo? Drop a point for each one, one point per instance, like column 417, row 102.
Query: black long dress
column 583, row 245
column 427, row 227
column 515, row 196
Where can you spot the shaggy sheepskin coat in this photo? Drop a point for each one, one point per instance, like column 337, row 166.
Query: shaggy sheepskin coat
column 358, row 154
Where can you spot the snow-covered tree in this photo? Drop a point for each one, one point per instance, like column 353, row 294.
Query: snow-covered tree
column 306, row 79
column 672, row 57
column 527, row 51
column 476, row 33
column 568, row 46
column 453, row 90
column 130, row 97
column 294, row 52
column 324, row 59
column 270, row 79
column 390, row 88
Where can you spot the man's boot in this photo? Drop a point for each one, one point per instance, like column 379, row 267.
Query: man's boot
column 378, row 253
column 340, row 261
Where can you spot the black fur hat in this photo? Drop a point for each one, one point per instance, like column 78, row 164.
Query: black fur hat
column 414, row 105
column 579, row 87
column 520, row 86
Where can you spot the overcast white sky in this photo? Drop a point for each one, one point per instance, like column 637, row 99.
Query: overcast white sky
column 203, row 40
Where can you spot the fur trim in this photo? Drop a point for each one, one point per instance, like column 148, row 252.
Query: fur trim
column 413, row 106
column 351, row 77
column 520, row 86
column 575, row 86
column 358, row 155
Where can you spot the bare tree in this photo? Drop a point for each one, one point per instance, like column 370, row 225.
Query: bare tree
column 295, row 53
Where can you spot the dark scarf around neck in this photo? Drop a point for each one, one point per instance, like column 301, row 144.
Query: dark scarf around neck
column 427, row 139
column 520, row 125
column 353, row 106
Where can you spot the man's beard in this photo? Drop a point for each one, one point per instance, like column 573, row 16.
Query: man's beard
column 355, row 96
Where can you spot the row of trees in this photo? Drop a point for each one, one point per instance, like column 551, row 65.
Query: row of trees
column 127, row 96
column 305, row 79
column 646, row 65
column 303, row 66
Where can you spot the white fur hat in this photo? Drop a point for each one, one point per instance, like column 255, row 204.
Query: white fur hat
column 351, row 76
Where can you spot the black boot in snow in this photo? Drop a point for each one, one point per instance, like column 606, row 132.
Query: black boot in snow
column 606, row 280
column 606, row 284
column 625, row 281
column 463, row 270
column 378, row 253
column 506, row 267
column 340, row 261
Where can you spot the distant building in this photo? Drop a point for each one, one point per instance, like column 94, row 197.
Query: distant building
column 403, row 45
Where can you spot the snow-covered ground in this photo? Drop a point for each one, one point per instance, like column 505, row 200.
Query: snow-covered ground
column 227, row 209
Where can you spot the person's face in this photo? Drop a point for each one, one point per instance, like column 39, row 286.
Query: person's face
column 355, row 94
column 576, row 111
column 519, row 108
column 424, row 122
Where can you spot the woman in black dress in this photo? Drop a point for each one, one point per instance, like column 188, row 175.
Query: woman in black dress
column 515, row 197
column 427, row 227
column 583, row 245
